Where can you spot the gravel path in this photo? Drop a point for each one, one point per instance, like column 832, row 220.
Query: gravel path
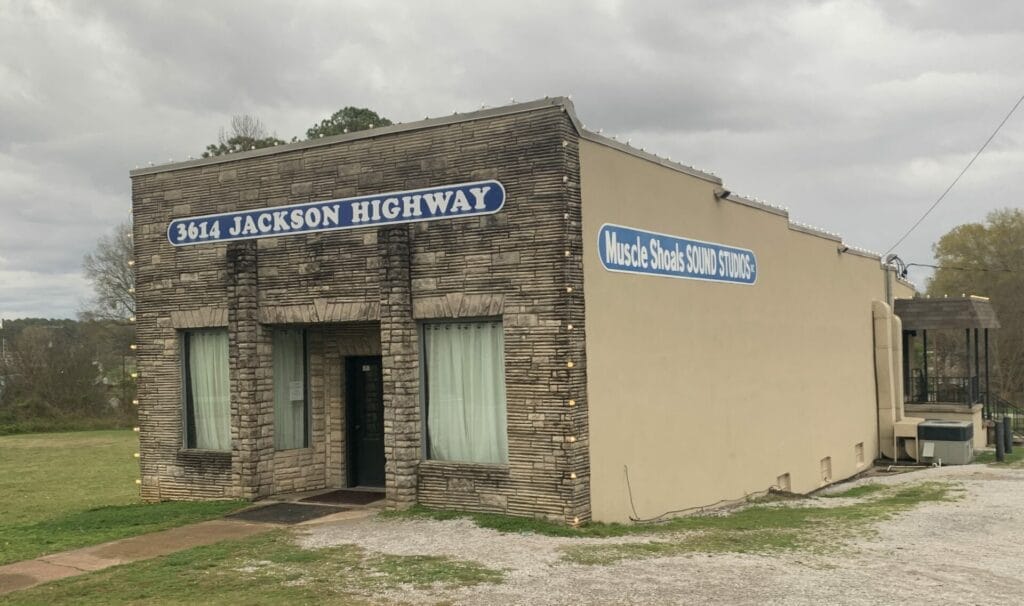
column 963, row 552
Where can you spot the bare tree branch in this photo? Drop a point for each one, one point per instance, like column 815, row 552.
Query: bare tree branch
column 113, row 279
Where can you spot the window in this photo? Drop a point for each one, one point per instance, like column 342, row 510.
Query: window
column 207, row 400
column 465, row 387
column 291, row 406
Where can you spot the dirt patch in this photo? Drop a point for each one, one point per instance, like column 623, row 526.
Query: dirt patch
column 963, row 551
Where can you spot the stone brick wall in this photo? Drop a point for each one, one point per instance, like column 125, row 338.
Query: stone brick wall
column 523, row 265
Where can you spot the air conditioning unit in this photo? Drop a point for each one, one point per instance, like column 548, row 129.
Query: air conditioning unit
column 951, row 442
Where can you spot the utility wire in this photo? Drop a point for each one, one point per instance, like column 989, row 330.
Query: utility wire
column 978, row 153
column 993, row 269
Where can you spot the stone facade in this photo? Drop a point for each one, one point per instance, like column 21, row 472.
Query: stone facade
column 365, row 292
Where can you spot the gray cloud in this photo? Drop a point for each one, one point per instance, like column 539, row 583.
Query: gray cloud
column 855, row 114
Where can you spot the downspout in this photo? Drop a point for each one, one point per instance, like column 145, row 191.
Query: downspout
column 878, row 400
column 885, row 388
column 887, row 289
column 888, row 285
column 874, row 341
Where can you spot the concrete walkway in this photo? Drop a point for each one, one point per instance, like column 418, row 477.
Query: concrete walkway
column 22, row 575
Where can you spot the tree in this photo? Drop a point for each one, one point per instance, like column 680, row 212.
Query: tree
column 988, row 259
column 52, row 371
column 347, row 120
column 247, row 132
column 109, row 269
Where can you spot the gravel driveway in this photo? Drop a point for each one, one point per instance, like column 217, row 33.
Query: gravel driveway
column 967, row 551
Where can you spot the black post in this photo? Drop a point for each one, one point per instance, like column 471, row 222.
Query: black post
column 968, row 391
column 1008, row 434
column 907, row 391
column 1000, row 441
column 988, row 385
column 924, row 366
column 976, row 381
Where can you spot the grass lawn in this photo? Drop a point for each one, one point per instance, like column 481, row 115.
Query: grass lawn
column 1014, row 459
column 272, row 569
column 59, row 491
column 266, row 569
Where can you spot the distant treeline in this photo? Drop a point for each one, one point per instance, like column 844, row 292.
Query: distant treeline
column 61, row 375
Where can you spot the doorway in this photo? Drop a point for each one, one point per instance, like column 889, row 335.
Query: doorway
column 364, row 397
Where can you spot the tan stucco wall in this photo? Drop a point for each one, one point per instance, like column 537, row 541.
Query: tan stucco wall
column 710, row 391
column 903, row 290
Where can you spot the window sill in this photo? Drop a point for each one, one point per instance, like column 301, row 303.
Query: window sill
column 198, row 455
column 294, row 451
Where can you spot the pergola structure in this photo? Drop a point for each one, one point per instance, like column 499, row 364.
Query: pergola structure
column 946, row 354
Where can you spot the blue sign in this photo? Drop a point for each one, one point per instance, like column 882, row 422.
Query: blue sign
column 429, row 204
column 635, row 251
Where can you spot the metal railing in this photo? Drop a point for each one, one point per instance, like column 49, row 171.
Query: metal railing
column 966, row 390
column 998, row 408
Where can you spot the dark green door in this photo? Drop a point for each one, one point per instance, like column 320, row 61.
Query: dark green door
column 365, row 407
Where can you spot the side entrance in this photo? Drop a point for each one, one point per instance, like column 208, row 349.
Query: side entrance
column 365, row 420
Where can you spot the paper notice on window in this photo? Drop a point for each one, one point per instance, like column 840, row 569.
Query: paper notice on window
column 296, row 391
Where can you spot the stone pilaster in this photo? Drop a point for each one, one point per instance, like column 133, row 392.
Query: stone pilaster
column 575, row 466
column 400, row 356
column 251, row 447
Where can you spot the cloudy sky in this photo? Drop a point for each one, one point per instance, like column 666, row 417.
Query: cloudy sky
column 854, row 114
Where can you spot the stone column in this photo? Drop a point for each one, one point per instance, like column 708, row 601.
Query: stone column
column 400, row 356
column 251, row 447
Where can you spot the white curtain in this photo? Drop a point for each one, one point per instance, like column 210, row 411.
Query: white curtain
column 211, row 406
column 289, row 390
column 466, row 418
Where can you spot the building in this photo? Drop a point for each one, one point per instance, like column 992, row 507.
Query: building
column 497, row 311
column 950, row 378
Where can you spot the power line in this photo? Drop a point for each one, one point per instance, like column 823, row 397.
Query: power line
column 978, row 153
column 954, row 268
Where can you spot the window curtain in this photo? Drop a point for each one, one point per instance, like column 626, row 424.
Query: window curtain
column 466, row 418
column 289, row 390
column 211, row 406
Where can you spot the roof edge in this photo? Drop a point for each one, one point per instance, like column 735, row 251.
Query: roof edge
column 815, row 231
column 906, row 282
column 862, row 252
column 506, row 110
column 456, row 118
column 758, row 204
column 593, row 137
